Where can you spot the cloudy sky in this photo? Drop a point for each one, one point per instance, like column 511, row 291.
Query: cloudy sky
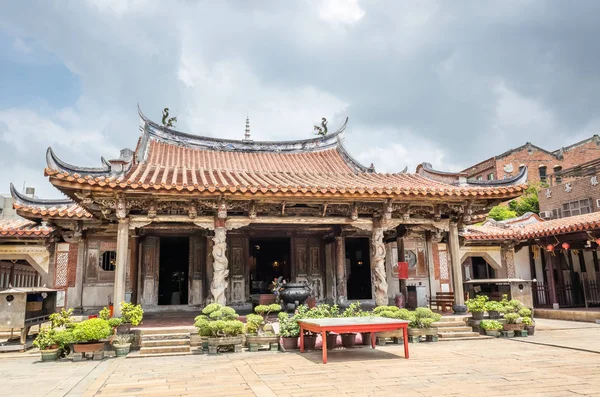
column 448, row 82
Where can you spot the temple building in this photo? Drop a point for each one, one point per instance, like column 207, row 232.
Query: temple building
column 184, row 219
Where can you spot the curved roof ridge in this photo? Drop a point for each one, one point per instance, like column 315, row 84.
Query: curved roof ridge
column 178, row 137
column 26, row 200
column 351, row 161
column 54, row 163
column 460, row 178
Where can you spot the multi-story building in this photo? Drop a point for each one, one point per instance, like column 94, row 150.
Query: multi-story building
column 572, row 191
column 540, row 162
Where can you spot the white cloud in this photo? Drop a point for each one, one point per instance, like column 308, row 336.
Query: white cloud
column 341, row 11
column 20, row 45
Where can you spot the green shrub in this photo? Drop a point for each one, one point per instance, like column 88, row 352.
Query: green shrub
column 423, row 317
column 201, row 322
column 216, row 311
column 525, row 312
column 45, row 339
column 527, row 321
column 491, row 325
column 92, row 330
column 211, row 308
column 225, row 328
column 254, row 323
column 115, row 322
column 353, row 310
column 511, row 318
column 380, row 309
column 217, row 320
column 494, row 306
column 288, row 326
column 477, row 304
column 65, row 337
column 131, row 314
column 61, row 319
column 104, row 314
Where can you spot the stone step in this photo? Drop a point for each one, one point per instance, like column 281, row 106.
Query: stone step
column 164, row 349
column 464, row 334
column 165, row 342
column 137, row 354
column 166, row 330
column 454, row 329
column 478, row 337
column 165, row 336
column 454, row 318
column 448, row 324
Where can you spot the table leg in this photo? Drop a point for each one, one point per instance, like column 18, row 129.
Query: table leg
column 405, row 333
column 373, row 340
column 324, row 336
column 301, row 339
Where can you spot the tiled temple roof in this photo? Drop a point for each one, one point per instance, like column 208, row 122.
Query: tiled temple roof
column 168, row 160
column 498, row 231
column 35, row 208
column 23, row 228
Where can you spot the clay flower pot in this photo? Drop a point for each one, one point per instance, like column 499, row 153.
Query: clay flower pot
column 309, row 342
column 88, row 347
column 331, row 340
column 291, row 343
column 348, row 340
column 49, row 354
column 122, row 350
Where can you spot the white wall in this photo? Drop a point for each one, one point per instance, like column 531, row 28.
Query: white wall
column 522, row 267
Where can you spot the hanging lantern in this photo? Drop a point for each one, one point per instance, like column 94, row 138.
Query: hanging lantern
column 550, row 247
column 598, row 241
column 566, row 246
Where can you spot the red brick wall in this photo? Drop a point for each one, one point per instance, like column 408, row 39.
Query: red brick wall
column 532, row 158
column 581, row 154
column 482, row 169
column 72, row 265
column 582, row 188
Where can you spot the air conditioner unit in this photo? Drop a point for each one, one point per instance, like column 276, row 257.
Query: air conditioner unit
column 546, row 214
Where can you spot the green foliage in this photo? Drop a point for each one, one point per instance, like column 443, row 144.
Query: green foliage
column 201, row 322
column 353, row 310
column 491, row 325
column 131, row 314
column 528, row 202
column 526, row 321
column 254, row 323
column 61, row 319
column 46, row 339
column 501, row 212
column 104, row 314
column 511, row 318
column 525, row 312
column 288, row 326
column 65, row 337
column 216, row 311
column 325, row 311
column 92, row 330
column 423, row 317
column 224, row 328
column 494, row 306
column 115, row 322
column 477, row 305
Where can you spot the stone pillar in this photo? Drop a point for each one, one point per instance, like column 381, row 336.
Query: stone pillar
column 121, row 265
column 209, row 267
column 457, row 277
column 76, row 298
column 220, row 266
column 378, row 276
column 340, row 269
column 507, row 255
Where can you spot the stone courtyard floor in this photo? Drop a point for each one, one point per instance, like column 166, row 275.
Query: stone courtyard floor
column 562, row 359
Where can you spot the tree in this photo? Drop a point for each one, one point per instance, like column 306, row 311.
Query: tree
column 528, row 202
column 502, row 212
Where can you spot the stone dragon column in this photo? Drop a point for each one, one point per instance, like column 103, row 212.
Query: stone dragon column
column 122, row 253
column 378, row 275
column 219, row 252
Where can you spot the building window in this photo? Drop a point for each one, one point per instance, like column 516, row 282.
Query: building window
column 556, row 213
column 479, row 178
column 558, row 168
column 108, row 260
column 490, row 176
column 542, row 171
column 577, row 207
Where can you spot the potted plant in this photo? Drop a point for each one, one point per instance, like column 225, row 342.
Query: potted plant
column 354, row 310
column 303, row 311
column 477, row 306
column 388, row 312
column 528, row 325
column 512, row 324
column 421, row 323
column 289, row 330
column 88, row 335
column 494, row 309
column 47, row 343
column 491, row 327
column 221, row 326
column 130, row 315
column 328, row 311
column 259, row 330
column 122, row 344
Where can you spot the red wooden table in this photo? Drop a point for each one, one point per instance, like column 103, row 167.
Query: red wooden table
column 352, row 324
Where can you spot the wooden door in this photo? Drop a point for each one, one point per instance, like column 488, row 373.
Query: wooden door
column 308, row 263
column 150, row 259
column 238, row 255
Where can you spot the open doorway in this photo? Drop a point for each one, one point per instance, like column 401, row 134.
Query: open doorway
column 269, row 259
column 358, row 268
column 173, row 272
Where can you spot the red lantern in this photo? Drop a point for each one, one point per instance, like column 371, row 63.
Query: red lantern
column 550, row 247
column 598, row 241
column 403, row 270
column 565, row 246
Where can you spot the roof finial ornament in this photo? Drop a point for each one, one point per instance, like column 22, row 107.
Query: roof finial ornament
column 322, row 130
column 247, row 131
column 168, row 122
